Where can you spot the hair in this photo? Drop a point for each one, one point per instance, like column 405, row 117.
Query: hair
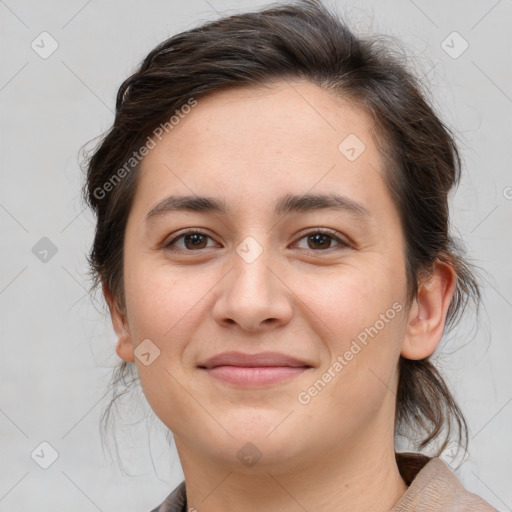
column 300, row 40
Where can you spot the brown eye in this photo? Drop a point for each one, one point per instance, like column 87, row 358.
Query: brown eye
column 322, row 240
column 192, row 240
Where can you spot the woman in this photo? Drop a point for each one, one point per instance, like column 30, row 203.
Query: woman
column 272, row 241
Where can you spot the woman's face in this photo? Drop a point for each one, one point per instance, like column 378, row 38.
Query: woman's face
column 276, row 272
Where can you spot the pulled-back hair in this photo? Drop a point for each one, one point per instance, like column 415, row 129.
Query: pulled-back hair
column 306, row 41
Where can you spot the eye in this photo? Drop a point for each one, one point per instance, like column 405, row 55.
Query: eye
column 321, row 240
column 192, row 240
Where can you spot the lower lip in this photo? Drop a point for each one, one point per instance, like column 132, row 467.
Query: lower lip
column 255, row 376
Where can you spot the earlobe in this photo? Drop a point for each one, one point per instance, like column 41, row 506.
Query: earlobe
column 124, row 346
column 124, row 349
column 427, row 315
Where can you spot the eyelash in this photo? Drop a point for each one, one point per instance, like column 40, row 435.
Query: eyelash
column 322, row 231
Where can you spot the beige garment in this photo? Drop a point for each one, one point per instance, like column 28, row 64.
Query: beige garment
column 432, row 488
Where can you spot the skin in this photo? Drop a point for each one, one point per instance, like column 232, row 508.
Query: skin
column 249, row 146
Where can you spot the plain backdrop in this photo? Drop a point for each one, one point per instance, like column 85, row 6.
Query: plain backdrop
column 57, row 345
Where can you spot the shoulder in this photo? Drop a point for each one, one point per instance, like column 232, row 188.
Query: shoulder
column 175, row 502
column 434, row 487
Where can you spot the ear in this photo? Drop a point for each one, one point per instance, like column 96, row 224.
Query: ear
column 124, row 346
column 427, row 315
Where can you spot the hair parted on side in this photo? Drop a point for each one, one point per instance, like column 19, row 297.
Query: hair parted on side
column 288, row 41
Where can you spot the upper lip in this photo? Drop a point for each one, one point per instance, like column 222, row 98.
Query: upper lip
column 252, row 360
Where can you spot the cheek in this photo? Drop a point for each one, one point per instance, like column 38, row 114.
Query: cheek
column 163, row 309
column 359, row 316
column 350, row 299
column 159, row 302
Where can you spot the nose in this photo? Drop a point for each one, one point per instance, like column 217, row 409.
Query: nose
column 254, row 295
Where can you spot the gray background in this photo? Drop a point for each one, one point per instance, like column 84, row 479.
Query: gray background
column 57, row 346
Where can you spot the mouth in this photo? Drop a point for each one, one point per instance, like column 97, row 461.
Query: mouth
column 251, row 370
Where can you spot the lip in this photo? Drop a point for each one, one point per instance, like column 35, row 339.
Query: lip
column 259, row 369
column 261, row 359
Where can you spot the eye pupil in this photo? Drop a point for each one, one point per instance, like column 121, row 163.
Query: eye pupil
column 195, row 238
column 318, row 238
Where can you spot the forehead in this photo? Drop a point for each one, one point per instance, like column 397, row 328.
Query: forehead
column 298, row 119
column 267, row 141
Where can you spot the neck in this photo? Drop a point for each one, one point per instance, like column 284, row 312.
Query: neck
column 358, row 479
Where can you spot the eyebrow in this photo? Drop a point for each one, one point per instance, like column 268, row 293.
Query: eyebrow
column 290, row 203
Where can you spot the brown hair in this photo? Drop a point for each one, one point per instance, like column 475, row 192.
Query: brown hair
column 301, row 40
